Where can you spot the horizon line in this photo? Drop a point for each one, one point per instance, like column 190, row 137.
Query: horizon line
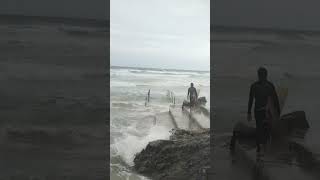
column 170, row 69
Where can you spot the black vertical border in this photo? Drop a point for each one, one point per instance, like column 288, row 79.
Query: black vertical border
column 211, row 81
column 107, row 119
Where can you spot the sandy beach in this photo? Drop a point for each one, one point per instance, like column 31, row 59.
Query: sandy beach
column 53, row 99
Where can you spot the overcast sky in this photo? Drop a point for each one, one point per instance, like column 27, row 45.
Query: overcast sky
column 160, row 33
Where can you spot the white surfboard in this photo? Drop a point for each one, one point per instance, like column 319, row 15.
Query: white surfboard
column 272, row 115
column 282, row 93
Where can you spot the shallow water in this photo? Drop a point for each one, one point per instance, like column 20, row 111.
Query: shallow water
column 133, row 123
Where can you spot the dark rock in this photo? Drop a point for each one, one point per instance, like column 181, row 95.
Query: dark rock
column 293, row 124
column 201, row 101
column 185, row 154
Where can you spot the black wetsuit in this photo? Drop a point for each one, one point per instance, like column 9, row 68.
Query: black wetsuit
column 261, row 91
column 192, row 91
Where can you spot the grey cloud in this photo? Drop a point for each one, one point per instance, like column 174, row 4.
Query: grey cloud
column 164, row 34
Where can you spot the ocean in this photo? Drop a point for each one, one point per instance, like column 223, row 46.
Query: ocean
column 134, row 122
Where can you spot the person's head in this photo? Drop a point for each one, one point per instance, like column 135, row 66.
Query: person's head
column 191, row 84
column 262, row 74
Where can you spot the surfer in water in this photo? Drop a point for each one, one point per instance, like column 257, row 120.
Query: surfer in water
column 262, row 91
column 193, row 95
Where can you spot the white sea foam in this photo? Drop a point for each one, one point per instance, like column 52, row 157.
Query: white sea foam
column 127, row 147
column 121, row 84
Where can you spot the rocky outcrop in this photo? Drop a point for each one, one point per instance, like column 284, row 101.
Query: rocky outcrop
column 201, row 101
column 184, row 156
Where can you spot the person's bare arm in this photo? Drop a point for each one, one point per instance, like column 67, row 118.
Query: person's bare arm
column 250, row 99
column 251, row 96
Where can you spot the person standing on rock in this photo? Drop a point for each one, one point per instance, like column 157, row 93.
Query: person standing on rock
column 192, row 94
column 261, row 91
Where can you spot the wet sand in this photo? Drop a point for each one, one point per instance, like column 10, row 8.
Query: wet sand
column 292, row 60
column 53, row 100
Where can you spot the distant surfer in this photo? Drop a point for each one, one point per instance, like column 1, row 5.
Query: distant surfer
column 192, row 94
column 263, row 92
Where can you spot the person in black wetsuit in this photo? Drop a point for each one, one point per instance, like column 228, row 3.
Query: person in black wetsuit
column 192, row 93
column 260, row 91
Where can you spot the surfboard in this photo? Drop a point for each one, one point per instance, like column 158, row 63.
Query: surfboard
column 282, row 93
column 272, row 116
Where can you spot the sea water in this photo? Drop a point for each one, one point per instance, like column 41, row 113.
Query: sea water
column 132, row 117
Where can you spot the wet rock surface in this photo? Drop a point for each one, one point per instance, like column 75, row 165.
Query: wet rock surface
column 183, row 156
